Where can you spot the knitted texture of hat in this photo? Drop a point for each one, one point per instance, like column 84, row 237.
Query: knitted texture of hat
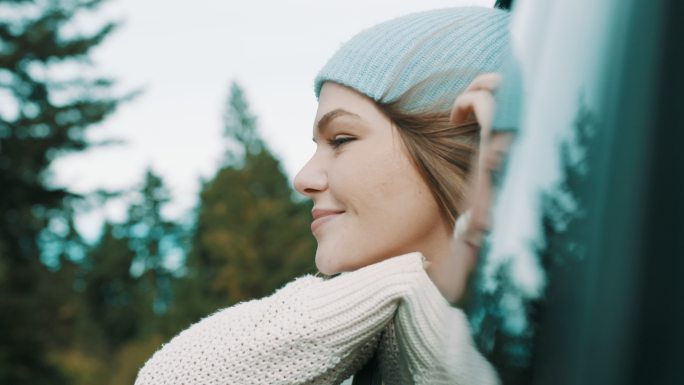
column 434, row 55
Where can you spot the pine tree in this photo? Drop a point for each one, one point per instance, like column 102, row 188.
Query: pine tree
column 41, row 118
column 127, row 290
column 113, row 299
column 240, row 129
column 152, row 238
column 251, row 236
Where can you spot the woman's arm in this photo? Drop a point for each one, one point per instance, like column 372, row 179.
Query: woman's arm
column 312, row 331
column 432, row 342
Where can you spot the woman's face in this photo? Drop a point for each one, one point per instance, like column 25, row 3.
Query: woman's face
column 370, row 202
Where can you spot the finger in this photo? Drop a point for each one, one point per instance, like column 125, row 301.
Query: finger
column 480, row 102
column 464, row 232
column 496, row 150
column 484, row 82
column 480, row 214
column 491, row 158
column 465, row 252
column 481, row 194
column 488, row 81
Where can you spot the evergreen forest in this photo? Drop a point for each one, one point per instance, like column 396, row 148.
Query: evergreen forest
column 74, row 311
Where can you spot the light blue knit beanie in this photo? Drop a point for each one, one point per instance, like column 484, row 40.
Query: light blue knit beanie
column 433, row 54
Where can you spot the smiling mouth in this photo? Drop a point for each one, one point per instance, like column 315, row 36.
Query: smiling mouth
column 323, row 216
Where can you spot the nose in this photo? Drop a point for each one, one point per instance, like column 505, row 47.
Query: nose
column 312, row 178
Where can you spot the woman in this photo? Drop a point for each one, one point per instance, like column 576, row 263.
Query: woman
column 388, row 180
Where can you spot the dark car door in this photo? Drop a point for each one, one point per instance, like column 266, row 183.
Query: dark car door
column 582, row 280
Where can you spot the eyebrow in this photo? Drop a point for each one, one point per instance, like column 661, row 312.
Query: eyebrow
column 324, row 122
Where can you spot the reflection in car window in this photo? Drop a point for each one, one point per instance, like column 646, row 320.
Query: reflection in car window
column 580, row 282
column 539, row 203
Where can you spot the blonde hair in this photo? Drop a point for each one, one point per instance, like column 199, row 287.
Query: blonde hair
column 442, row 152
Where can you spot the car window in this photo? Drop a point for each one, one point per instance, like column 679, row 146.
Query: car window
column 551, row 299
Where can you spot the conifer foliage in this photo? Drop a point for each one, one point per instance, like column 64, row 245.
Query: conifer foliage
column 251, row 235
column 74, row 312
column 43, row 114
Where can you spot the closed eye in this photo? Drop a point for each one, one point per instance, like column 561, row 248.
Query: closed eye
column 339, row 140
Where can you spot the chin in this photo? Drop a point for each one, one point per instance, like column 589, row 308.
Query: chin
column 325, row 265
column 332, row 263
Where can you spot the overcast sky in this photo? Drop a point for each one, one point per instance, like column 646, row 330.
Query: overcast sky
column 184, row 55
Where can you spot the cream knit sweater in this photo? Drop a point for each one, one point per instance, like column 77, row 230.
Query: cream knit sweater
column 316, row 331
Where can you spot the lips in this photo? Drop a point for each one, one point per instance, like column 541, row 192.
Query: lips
column 322, row 216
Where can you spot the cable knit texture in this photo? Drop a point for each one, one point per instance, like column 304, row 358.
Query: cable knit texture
column 433, row 54
column 316, row 331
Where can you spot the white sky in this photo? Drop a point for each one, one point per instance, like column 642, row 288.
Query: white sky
column 185, row 54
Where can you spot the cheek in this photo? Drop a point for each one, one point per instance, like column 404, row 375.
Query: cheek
column 369, row 180
column 389, row 209
column 395, row 189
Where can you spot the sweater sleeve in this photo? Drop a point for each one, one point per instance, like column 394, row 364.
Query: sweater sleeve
column 432, row 341
column 312, row 331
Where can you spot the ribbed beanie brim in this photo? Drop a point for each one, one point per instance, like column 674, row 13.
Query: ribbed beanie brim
column 434, row 55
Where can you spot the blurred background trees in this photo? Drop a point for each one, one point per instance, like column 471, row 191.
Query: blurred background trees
column 72, row 312
column 42, row 117
column 251, row 236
